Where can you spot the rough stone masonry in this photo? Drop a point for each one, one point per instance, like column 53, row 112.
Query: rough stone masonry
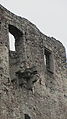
column 33, row 78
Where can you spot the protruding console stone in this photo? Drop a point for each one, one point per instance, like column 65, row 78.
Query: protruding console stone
column 28, row 77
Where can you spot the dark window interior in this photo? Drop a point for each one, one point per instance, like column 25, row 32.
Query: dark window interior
column 27, row 116
column 47, row 55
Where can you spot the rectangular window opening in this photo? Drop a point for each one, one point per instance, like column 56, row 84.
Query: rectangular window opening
column 48, row 60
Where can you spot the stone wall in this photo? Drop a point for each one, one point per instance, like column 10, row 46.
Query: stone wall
column 33, row 81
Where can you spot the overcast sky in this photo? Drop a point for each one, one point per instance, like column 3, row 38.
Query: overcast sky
column 50, row 16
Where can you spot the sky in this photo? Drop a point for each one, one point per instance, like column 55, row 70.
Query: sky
column 50, row 16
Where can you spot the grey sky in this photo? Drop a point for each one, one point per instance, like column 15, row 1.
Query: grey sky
column 50, row 16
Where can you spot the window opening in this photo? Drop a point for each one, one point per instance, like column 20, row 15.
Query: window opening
column 27, row 116
column 49, row 60
column 14, row 35
column 11, row 42
column 0, row 24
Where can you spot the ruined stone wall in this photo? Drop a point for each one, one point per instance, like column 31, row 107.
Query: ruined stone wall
column 33, row 81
